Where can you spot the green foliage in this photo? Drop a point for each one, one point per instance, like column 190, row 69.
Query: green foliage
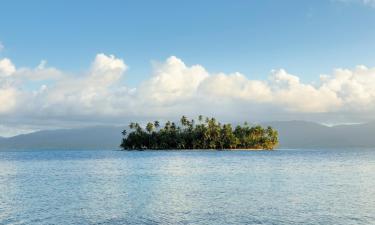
column 206, row 134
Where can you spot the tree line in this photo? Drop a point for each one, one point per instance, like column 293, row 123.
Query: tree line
column 205, row 133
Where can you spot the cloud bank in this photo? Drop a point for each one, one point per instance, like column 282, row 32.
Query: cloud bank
column 46, row 96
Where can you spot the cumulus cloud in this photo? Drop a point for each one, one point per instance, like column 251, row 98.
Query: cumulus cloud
column 90, row 94
column 6, row 67
column 7, row 99
column 174, row 88
column 290, row 93
column 41, row 72
column 172, row 81
column 236, row 86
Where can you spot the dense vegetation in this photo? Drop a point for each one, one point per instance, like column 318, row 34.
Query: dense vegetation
column 204, row 134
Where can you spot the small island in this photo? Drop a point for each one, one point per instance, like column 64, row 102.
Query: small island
column 205, row 133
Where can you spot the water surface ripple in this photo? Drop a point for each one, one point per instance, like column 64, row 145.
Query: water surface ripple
column 188, row 187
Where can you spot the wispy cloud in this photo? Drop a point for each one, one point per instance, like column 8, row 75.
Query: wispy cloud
column 370, row 3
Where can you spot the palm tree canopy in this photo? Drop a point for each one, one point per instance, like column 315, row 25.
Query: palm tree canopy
column 208, row 135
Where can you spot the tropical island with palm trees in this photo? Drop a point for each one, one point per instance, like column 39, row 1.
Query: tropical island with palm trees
column 206, row 133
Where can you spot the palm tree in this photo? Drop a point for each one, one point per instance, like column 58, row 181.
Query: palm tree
column 183, row 120
column 156, row 124
column 167, row 125
column 149, row 127
column 173, row 126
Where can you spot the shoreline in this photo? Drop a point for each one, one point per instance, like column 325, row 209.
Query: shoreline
column 175, row 150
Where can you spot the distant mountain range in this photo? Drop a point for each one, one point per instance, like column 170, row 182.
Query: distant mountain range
column 292, row 134
column 103, row 137
column 302, row 134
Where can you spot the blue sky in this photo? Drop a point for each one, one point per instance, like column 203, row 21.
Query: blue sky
column 253, row 37
column 77, row 63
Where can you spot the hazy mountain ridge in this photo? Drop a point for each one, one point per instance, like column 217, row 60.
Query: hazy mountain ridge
column 301, row 134
column 103, row 137
column 292, row 134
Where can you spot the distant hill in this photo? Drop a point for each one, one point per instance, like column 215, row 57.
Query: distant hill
column 301, row 134
column 292, row 134
column 83, row 138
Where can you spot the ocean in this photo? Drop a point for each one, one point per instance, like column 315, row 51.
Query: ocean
column 188, row 187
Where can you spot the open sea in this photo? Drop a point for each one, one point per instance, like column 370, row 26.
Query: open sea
column 188, row 187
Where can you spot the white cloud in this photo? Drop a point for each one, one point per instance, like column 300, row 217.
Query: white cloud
column 355, row 88
column 235, row 86
column 8, row 99
column 105, row 64
column 6, row 67
column 293, row 95
column 89, row 94
column 41, row 72
column 1, row 46
column 99, row 95
column 172, row 81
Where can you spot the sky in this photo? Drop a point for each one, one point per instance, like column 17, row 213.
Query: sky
column 79, row 63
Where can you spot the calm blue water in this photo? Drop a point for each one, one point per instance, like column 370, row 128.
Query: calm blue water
column 192, row 187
